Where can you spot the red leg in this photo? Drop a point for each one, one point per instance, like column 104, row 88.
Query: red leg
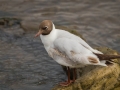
column 74, row 74
column 68, row 82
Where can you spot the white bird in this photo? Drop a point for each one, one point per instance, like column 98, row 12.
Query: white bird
column 68, row 49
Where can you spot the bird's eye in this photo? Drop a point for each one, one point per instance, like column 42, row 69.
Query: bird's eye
column 44, row 28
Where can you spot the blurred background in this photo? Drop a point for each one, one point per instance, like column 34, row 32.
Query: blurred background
column 24, row 64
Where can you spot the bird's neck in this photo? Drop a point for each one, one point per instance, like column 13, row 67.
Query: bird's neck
column 47, row 40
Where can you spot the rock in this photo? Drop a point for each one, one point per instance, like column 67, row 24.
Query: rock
column 118, row 88
column 10, row 28
column 75, row 86
column 97, row 77
column 28, row 26
column 7, row 21
column 2, row 22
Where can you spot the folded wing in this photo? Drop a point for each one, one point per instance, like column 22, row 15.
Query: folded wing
column 68, row 35
column 75, row 51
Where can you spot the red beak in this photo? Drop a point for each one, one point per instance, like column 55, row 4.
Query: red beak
column 38, row 34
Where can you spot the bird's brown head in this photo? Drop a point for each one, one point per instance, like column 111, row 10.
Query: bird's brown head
column 45, row 28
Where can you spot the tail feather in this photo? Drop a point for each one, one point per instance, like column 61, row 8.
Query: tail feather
column 106, row 57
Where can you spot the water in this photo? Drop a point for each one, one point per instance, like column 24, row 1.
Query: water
column 24, row 63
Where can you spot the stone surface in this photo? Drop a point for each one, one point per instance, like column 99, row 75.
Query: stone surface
column 29, row 26
column 97, row 77
column 8, row 21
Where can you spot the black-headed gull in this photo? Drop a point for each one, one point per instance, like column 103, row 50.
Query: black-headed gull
column 69, row 50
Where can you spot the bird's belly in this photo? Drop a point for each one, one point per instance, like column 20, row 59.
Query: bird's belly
column 64, row 60
column 67, row 62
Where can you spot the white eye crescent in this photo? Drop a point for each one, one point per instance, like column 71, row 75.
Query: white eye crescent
column 45, row 28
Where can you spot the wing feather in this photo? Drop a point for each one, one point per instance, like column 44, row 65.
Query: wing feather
column 74, row 51
column 78, row 39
